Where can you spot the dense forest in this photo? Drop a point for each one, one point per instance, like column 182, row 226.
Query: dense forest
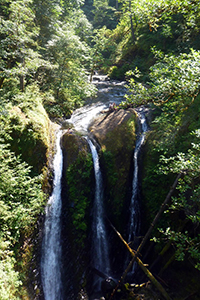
column 48, row 53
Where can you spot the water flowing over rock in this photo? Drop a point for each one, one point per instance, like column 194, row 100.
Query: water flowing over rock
column 83, row 215
column 134, row 209
column 109, row 92
column 115, row 132
column 100, row 251
column 134, row 222
column 51, row 250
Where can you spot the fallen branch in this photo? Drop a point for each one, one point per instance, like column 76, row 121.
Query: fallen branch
column 121, row 279
column 161, row 210
column 144, row 269
column 157, row 217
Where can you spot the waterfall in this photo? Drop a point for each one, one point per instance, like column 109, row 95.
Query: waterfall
column 134, row 222
column 99, row 239
column 51, row 248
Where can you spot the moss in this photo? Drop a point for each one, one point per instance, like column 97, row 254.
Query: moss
column 78, row 178
column 181, row 277
column 30, row 133
column 78, row 168
column 77, row 198
column 27, row 129
column 116, row 135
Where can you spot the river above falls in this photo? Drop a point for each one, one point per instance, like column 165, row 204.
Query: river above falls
column 109, row 92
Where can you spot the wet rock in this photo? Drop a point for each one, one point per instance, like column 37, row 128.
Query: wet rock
column 72, row 145
column 115, row 132
column 108, row 285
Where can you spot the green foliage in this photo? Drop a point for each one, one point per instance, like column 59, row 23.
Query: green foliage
column 103, row 47
column 28, row 126
column 9, row 278
column 173, row 82
column 69, row 81
column 21, row 200
column 172, row 89
column 104, row 14
column 82, row 27
column 171, row 26
column 50, row 14
column 185, row 246
column 173, row 93
column 183, row 214
column 24, row 125
column 88, row 9
column 79, row 180
column 59, row 64
column 117, row 72
column 18, row 55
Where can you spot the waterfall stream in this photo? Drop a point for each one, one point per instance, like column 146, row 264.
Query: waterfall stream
column 134, row 221
column 100, row 253
column 108, row 92
column 51, row 248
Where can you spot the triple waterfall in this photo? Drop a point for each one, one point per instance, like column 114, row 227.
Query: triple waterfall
column 51, row 266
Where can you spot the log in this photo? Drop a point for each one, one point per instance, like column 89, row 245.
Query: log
column 157, row 217
column 144, row 269
column 144, row 240
column 167, row 246
column 161, row 210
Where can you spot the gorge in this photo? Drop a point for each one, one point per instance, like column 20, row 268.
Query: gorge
column 92, row 263
column 99, row 249
column 49, row 53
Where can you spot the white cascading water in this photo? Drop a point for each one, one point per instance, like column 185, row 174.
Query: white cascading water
column 100, row 242
column 51, row 248
column 134, row 222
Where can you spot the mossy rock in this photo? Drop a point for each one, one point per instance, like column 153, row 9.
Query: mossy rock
column 72, row 145
column 116, row 134
column 30, row 133
column 78, row 183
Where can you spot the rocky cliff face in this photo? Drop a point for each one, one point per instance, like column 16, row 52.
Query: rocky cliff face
column 115, row 132
column 77, row 195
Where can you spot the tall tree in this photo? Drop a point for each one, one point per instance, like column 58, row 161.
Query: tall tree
column 104, row 15
column 18, row 49
column 69, row 80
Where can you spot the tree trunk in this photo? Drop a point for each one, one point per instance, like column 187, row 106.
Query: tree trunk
column 157, row 217
column 21, row 83
column 161, row 210
column 1, row 82
column 91, row 74
column 132, row 29
column 131, row 20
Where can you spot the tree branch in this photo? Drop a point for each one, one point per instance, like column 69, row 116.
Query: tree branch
column 161, row 210
column 144, row 269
